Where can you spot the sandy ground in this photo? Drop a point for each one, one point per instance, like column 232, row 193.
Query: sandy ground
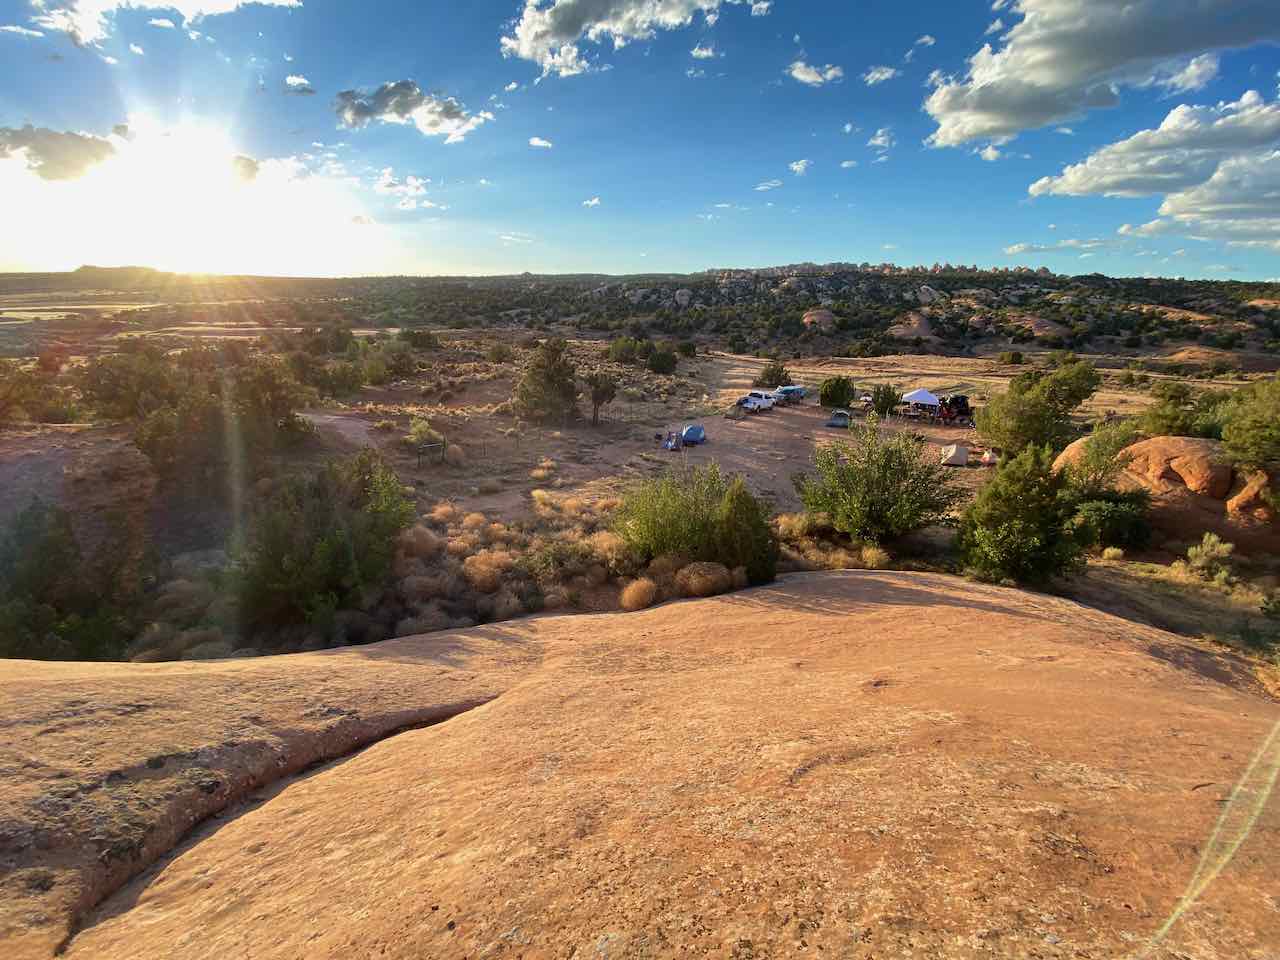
column 855, row 764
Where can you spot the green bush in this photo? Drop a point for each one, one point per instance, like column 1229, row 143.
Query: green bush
column 53, row 604
column 661, row 361
column 1180, row 412
column 320, row 541
column 687, row 348
column 885, row 399
column 1020, row 525
column 772, row 375
column 421, row 433
column 627, row 350
column 1115, row 520
column 603, row 390
column 18, row 387
column 1251, row 433
column 420, row 339
column 836, row 392
column 1010, row 357
column 133, row 383
column 1103, row 458
column 877, row 487
column 499, row 352
column 701, row 515
column 548, row 391
column 1210, row 559
column 1036, row 410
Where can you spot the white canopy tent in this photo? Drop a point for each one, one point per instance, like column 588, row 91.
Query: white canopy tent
column 922, row 397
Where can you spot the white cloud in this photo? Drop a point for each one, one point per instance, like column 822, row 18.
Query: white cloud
column 695, row 73
column 995, row 26
column 1066, row 57
column 89, row 21
column 164, row 23
column 110, row 61
column 404, row 102
column 55, row 155
column 134, row 48
column 701, row 52
column 1065, row 131
column 516, row 237
column 848, row 164
column 877, row 75
column 21, row 31
column 1184, row 150
column 551, row 34
column 848, row 128
column 760, row 8
column 769, row 185
column 539, row 142
column 989, row 153
column 923, row 41
column 1196, row 75
column 799, row 167
column 1020, row 248
column 296, row 83
column 388, row 185
column 593, row 202
column 814, row 76
column 882, row 139
column 511, row 87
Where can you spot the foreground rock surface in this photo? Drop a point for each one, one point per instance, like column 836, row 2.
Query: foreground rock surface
column 861, row 764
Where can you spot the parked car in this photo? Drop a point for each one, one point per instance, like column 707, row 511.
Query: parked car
column 750, row 404
column 765, row 400
column 790, row 394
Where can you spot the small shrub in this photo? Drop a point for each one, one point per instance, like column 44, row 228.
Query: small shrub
column 548, row 391
column 1115, row 519
column 1210, row 559
column 604, row 389
column 420, row 339
column 836, row 392
column 687, row 348
column 419, row 541
column 885, row 398
column 384, row 426
column 639, row 594
column 443, row 512
column 486, row 570
column 773, row 374
column 1113, row 553
column 499, row 353
column 1019, row 526
column 661, row 361
column 874, row 557
column 877, row 487
column 421, row 433
column 704, row 580
column 1011, row 357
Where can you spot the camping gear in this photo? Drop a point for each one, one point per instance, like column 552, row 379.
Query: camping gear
column 672, row 442
column 955, row 411
column 956, row 455
column 693, row 435
column 839, row 418
column 923, row 398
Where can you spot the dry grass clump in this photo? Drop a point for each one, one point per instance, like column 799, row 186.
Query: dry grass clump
column 607, row 504
column 420, row 541
column 739, row 577
column 485, row 570
column 455, row 455
column 794, row 526
column 428, row 619
column 489, row 485
column 545, row 468
column 639, row 594
column 156, row 642
column 1113, row 553
column 874, row 557
column 463, row 545
column 503, row 605
column 443, row 512
column 572, row 507
column 665, row 567
column 184, row 600
column 475, row 521
column 704, row 580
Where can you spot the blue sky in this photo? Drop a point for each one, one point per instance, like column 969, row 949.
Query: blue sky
column 683, row 134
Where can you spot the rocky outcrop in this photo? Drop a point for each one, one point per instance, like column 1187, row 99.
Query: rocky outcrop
column 1195, row 490
column 819, row 319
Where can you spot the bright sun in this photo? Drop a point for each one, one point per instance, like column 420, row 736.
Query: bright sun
column 185, row 199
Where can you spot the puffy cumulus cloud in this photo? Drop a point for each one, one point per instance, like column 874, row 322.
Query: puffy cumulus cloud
column 54, row 155
column 404, row 102
column 799, row 167
column 848, row 164
column 1196, row 75
column 1240, row 204
column 297, row 84
column 990, row 153
column 593, row 202
column 164, row 23
column 137, row 50
column 877, row 75
column 1065, row 57
column 89, row 21
column 550, row 32
column 703, row 52
column 814, row 76
column 540, row 142
column 1184, row 150
column 760, row 8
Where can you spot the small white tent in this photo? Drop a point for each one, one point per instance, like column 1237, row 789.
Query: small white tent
column 956, row 455
column 923, row 397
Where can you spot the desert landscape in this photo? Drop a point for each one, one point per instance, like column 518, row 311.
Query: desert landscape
column 577, row 688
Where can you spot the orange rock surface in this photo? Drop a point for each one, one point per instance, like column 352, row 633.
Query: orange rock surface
column 859, row 764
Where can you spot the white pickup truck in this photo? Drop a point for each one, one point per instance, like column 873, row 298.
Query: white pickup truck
column 765, row 400
column 751, row 404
